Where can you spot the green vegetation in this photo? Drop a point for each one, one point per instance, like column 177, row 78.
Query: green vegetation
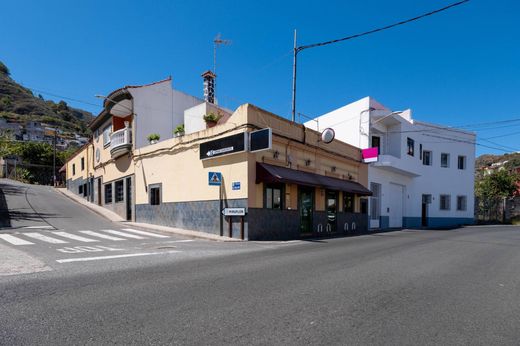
column 501, row 183
column 179, row 130
column 19, row 104
column 153, row 137
column 212, row 118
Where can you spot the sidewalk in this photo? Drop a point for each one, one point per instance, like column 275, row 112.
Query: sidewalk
column 110, row 215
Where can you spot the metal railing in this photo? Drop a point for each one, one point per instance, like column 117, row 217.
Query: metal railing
column 120, row 138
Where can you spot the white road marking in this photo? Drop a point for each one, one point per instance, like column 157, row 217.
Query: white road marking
column 122, row 234
column 145, row 233
column 181, row 241
column 38, row 227
column 45, row 238
column 84, row 259
column 75, row 237
column 101, row 235
column 13, row 240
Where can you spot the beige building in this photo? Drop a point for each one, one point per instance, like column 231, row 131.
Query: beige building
column 295, row 186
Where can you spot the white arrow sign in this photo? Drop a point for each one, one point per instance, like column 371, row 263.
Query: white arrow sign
column 219, row 151
column 234, row 211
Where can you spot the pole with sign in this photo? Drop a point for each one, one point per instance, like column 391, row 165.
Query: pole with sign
column 215, row 179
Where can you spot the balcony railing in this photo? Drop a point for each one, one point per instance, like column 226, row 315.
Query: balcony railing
column 120, row 142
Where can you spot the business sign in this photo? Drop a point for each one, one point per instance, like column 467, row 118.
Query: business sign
column 215, row 178
column 370, row 154
column 260, row 140
column 235, row 185
column 223, row 146
column 234, row 211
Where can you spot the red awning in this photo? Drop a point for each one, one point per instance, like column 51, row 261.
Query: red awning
column 274, row 174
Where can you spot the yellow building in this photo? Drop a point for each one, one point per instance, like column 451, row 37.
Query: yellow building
column 294, row 187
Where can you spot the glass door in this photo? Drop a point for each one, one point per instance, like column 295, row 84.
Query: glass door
column 306, row 204
column 331, row 204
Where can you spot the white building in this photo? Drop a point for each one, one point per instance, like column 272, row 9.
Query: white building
column 424, row 175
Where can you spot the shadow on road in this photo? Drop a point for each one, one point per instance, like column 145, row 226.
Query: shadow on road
column 7, row 216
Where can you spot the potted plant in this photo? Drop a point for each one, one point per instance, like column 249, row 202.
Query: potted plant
column 211, row 119
column 153, row 138
column 179, row 130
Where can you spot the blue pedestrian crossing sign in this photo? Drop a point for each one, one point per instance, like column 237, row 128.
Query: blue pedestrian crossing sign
column 215, row 178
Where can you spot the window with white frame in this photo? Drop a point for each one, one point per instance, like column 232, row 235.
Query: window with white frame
column 461, row 203
column 155, row 194
column 461, row 162
column 375, row 201
column 106, row 134
column 427, row 158
column 444, row 201
column 445, row 160
column 410, row 143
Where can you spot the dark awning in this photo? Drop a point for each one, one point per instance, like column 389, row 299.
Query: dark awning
column 274, row 174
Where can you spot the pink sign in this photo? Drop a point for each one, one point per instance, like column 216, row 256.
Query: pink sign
column 370, row 154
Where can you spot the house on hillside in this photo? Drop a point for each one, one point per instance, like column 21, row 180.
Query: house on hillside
column 423, row 174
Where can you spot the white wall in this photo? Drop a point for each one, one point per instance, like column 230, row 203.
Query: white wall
column 194, row 117
column 159, row 109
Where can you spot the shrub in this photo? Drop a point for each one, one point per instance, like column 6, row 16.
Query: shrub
column 179, row 129
column 153, row 137
column 212, row 117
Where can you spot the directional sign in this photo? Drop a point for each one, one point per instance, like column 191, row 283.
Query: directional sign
column 234, row 211
column 235, row 185
column 215, row 178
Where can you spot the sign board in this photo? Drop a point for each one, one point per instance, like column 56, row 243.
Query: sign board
column 234, row 211
column 235, row 185
column 223, row 146
column 370, row 154
column 215, row 178
column 260, row 140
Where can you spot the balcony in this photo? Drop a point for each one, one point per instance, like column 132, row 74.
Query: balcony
column 396, row 165
column 120, row 142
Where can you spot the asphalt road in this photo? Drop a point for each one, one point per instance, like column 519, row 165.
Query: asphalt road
column 456, row 287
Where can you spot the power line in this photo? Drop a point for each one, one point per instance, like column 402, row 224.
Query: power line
column 382, row 28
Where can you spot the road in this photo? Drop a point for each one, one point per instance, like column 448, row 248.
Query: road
column 456, row 287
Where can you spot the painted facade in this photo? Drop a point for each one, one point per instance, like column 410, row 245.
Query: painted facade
column 424, row 176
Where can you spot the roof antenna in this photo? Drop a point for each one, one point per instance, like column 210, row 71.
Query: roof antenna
column 217, row 41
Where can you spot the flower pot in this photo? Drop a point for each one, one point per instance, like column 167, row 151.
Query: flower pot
column 210, row 124
column 153, row 141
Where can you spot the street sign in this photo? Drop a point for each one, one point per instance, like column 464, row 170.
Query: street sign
column 261, row 140
column 223, row 146
column 215, row 178
column 235, row 185
column 234, row 211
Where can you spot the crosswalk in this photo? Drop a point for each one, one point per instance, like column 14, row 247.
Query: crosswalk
column 83, row 236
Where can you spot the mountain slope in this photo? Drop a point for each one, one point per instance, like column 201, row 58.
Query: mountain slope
column 19, row 103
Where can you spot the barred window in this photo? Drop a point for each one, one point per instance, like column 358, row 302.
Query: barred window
column 120, row 191
column 108, row 193
column 461, row 203
column 444, row 202
column 445, row 160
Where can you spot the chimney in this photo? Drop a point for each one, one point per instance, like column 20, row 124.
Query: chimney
column 209, row 86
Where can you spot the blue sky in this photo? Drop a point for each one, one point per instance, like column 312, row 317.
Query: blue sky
column 456, row 68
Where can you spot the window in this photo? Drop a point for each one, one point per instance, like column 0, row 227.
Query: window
column 82, row 163
column 420, row 151
column 462, row 162
column 108, row 193
column 73, row 169
column 363, row 205
column 273, row 197
column 411, row 146
column 106, row 135
column 348, row 202
column 427, row 158
column 375, row 208
column 427, row 199
column 120, row 191
column 376, row 143
column 444, row 202
column 445, row 160
column 155, row 194
column 461, row 203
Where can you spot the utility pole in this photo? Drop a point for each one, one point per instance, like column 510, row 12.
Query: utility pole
column 295, row 52
column 54, row 160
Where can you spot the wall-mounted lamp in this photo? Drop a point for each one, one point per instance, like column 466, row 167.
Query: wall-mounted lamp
column 333, row 169
column 307, row 162
column 276, row 154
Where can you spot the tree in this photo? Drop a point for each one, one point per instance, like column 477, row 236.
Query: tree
column 501, row 183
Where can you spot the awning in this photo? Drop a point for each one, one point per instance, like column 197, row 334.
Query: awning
column 274, row 174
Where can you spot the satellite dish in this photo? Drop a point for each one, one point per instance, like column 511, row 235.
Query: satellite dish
column 328, row 135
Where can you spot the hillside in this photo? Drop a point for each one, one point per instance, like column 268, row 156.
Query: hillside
column 487, row 160
column 19, row 103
